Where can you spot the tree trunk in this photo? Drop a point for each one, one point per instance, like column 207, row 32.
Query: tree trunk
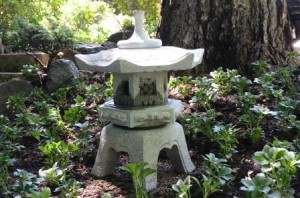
column 234, row 33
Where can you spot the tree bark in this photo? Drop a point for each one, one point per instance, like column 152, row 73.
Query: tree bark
column 234, row 33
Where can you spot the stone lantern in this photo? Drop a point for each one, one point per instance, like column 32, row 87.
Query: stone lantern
column 141, row 115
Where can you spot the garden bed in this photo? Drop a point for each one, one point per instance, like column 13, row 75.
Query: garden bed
column 226, row 114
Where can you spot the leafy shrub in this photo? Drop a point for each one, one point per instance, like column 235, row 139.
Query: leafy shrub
column 17, row 104
column 5, row 162
column 26, row 183
column 53, row 176
column 287, row 120
column 84, row 19
column 216, row 174
column 57, row 178
column 284, row 76
column 182, row 85
column 259, row 186
column 292, row 58
column 183, row 187
column 217, row 168
column 58, row 152
column 280, row 165
column 76, row 111
column 223, row 82
column 246, row 101
column 52, row 41
column 252, row 119
column 203, row 122
column 225, row 136
column 267, row 84
column 33, row 13
column 205, row 94
column 45, row 193
column 260, row 67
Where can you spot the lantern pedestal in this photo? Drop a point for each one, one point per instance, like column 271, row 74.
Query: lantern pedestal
column 142, row 145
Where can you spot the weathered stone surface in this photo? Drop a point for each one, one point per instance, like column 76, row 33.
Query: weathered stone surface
column 139, row 38
column 140, row 60
column 140, row 89
column 15, row 62
column 88, row 48
column 141, row 117
column 11, row 88
column 60, row 73
column 142, row 145
column 6, row 76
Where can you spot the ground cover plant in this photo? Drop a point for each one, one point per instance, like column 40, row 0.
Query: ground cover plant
column 243, row 134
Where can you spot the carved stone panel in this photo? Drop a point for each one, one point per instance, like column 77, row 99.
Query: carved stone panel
column 140, row 89
column 141, row 117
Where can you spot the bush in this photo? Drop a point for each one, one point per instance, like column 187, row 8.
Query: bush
column 84, row 19
column 31, row 37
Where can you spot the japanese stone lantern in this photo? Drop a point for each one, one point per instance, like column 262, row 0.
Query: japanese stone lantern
column 141, row 115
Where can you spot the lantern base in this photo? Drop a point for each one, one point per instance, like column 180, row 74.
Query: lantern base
column 142, row 145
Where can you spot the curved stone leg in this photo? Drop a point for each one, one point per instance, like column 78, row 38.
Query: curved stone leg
column 151, row 158
column 107, row 157
column 178, row 154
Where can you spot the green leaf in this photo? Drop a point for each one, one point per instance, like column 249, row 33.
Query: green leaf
column 259, row 158
column 44, row 194
column 148, row 171
column 278, row 153
column 266, row 169
column 106, row 195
